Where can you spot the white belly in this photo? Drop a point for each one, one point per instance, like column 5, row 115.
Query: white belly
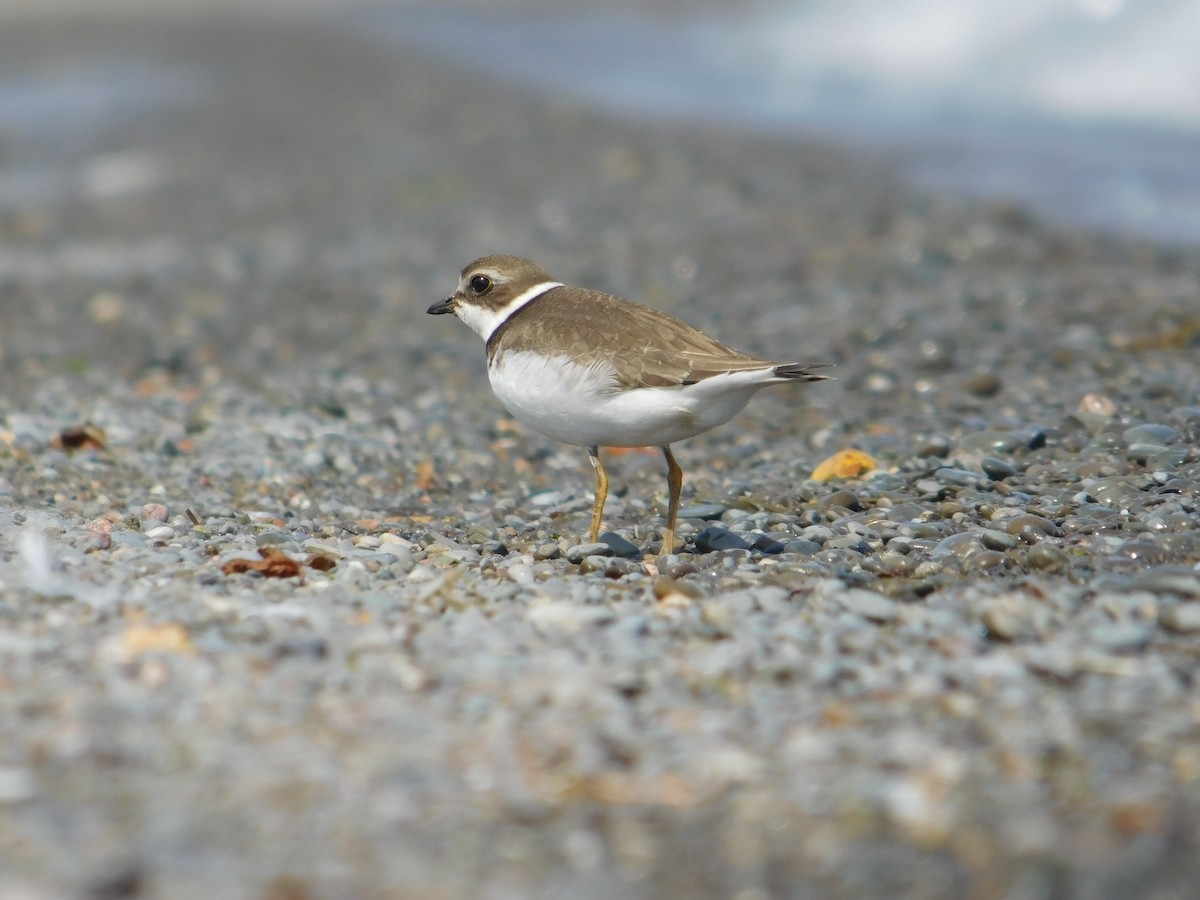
column 581, row 405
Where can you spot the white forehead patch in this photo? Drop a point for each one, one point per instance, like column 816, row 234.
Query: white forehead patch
column 484, row 319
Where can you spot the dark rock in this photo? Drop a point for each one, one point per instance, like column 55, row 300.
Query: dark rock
column 765, row 544
column 714, row 538
column 620, row 546
column 996, row 469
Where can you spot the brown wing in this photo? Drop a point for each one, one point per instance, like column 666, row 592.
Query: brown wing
column 646, row 347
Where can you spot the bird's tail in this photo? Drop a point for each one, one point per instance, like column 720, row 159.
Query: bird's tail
column 801, row 372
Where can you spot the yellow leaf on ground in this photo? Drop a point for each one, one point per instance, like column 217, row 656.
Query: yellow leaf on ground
column 844, row 464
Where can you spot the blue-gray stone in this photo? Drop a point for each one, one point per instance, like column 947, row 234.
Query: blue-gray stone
column 996, row 469
column 765, row 544
column 802, row 547
column 715, row 538
column 620, row 546
column 701, row 511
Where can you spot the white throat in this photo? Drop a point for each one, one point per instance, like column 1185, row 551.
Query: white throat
column 484, row 320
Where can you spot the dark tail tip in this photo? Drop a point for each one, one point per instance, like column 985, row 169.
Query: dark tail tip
column 802, row 371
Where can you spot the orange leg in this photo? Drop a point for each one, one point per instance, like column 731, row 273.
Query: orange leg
column 601, row 493
column 674, row 486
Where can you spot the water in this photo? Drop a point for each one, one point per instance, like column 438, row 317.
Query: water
column 1086, row 111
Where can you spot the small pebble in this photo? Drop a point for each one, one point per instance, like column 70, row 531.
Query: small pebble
column 997, row 540
column 957, row 476
column 1003, row 623
column 982, row 384
column 520, row 573
column 1031, row 528
column 996, row 469
column 869, row 605
column 154, row 512
column 593, row 563
column 718, row 617
column 890, row 564
column 715, row 538
column 620, row 546
column 701, row 511
column 1120, row 637
column 1046, row 558
column 1182, row 618
column 1097, row 405
column 764, row 544
column 992, row 441
column 579, row 552
column 1150, row 434
column 802, row 547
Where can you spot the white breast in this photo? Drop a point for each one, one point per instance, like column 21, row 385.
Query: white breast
column 582, row 405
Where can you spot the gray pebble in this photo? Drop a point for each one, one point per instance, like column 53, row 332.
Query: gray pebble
column 1181, row 618
column 848, row 542
column 1119, row 637
column 869, row 605
column 620, row 546
column 1003, row 623
column 1031, row 528
column 996, row 469
column 802, row 547
column 619, row 567
column 520, row 573
column 1056, row 660
column 272, row 538
column 593, row 564
column 1150, row 434
column 958, row 546
column 718, row 618
column 982, row 384
column 997, row 540
column 579, row 552
column 1046, row 558
column 992, row 441
column 715, row 538
column 1141, row 452
column 1177, row 580
column 890, row 564
column 957, row 476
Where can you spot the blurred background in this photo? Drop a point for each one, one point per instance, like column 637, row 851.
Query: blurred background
column 186, row 182
column 1085, row 110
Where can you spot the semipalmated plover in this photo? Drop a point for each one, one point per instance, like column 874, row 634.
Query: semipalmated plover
column 594, row 370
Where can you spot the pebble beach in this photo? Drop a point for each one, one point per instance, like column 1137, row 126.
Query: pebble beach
column 290, row 608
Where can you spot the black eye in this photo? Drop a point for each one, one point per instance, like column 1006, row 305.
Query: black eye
column 480, row 284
